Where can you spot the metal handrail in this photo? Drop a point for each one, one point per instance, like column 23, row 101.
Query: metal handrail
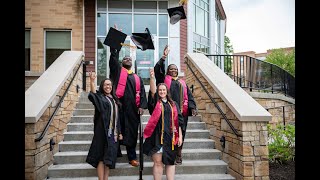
column 215, row 104
column 245, row 69
column 57, row 107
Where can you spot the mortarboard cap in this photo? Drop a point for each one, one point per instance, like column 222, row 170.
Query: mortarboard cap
column 115, row 38
column 143, row 40
column 176, row 13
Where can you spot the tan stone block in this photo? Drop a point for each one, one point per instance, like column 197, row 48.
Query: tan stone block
column 234, row 164
column 248, row 178
column 29, row 128
column 40, row 125
column 247, row 138
column 249, row 126
column 261, row 168
column 42, row 172
column 247, row 158
column 261, row 151
column 255, row 143
column 246, row 168
column 30, row 152
column 29, row 175
column 263, row 137
column 29, row 162
column 42, row 158
column 29, row 142
column 247, row 150
column 265, row 178
column 257, row 178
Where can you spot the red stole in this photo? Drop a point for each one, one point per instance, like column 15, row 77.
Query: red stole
column 122, row 85
column 156, row 116
column 184, row 109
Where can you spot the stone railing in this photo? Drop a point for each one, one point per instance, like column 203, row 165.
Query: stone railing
column 41, row 99
column 247, row 156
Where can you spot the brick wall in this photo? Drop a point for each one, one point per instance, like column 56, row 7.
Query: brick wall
column 89, row 47
column 183, row 40
column 44, row 14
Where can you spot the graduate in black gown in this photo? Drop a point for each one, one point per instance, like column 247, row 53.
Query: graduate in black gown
column 179, row 92
column 107, row 128
column 163, row 133
column 131, row 93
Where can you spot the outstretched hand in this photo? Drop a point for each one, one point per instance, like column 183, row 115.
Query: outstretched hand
column 116, row 27
column 151, row 71
column 166, row 51
column 92, row 76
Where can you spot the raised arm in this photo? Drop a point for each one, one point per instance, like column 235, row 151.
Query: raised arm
column 92, row 76
column 159, row 69
column 114, row 64
column 152, row 83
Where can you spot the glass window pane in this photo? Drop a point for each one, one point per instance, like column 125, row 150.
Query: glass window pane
column 162, row 43
column 145, row 6
column 194, row 15
column 123, row 5
column 56, row 43
column 123, row 22
column 206, row 27
column 58, row 39
column 27, row 38
column 124, row 51
column 101, row 60
column 102, row 5
column 163, row 25
column 102, row 23
column 200, row 21
column 163, row 6
column 27, row 50
column 145, row 20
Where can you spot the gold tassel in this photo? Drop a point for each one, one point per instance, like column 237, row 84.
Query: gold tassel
column 182, row 2
column 131, row 46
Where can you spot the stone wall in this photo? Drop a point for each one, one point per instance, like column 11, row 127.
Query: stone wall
column 277, row 112
column 247, row 156
column 38, row 156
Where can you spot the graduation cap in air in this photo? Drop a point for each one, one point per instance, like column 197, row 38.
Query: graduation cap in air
column 143, row 40
column 115, row 38
column 176, row 13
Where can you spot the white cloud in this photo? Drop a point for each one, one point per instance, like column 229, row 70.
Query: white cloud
column 259, row 25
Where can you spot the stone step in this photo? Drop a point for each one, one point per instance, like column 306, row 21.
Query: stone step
column 83, row 112
column 84, row 106
column 88, row 135
column 144, row 118
column 125, row 169
column 73, row 157
column 150, row 177
column 89, row 126
column 85, row 145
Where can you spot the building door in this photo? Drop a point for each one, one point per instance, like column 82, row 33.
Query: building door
column 132, row 16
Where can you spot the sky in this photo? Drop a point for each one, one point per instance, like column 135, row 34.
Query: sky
column 259, row 25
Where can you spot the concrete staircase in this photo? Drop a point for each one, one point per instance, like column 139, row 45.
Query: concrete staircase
column 200, row 158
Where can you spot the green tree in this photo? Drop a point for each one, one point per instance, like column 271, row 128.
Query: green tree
column 283, row 59
column 228, row 50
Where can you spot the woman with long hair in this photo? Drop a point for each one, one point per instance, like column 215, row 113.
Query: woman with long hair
column 107, row 131
column 163, row 132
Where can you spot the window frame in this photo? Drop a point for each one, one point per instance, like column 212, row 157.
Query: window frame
column 45, row 43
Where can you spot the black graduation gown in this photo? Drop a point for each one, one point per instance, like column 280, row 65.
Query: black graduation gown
column 152, row 144
column 129, row 116
column 102, row 148
column 160, row 74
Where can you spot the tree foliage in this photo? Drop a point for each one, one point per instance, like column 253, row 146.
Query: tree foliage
column 228, row 50
column 282, row 58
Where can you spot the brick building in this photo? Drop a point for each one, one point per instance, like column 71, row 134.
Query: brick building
column 52, row 27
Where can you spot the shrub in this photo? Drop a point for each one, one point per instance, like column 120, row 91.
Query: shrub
column 281, row 143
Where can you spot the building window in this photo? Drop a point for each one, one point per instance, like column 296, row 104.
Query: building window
column 201, row 26
column 27, row 54
column 56, row 43
column 217, row 34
